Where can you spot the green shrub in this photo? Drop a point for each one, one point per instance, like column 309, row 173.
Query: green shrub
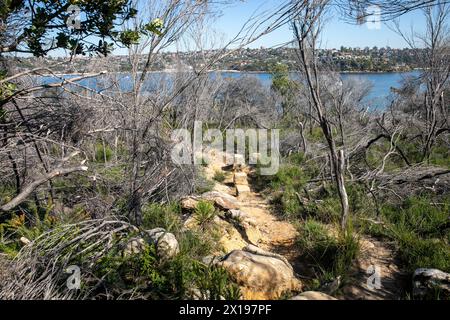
column 149, row 277
column 315, row 135
column 423, row 253
column 219, row 176
column 419, row 216
column 167, row 216
column 204, row 212
column 103, row 153
column 421, row 231
column 331, row 256
column 440, row 156
column 288, row 176
column 296, row 159
column 203, row 185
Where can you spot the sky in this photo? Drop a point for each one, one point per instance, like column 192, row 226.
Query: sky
column 336, row 33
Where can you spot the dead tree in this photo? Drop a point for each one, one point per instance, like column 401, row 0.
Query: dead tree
column 306, row 23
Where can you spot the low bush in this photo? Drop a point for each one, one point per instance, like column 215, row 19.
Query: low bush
column 219, row 176
column 204, row 212
column 331, row 255
column 422, row 231
column 103, row 153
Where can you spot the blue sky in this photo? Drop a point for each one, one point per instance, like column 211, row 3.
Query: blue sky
column 336, row 33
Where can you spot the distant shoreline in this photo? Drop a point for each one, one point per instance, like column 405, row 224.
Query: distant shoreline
column 342, row 72
column 233, row 71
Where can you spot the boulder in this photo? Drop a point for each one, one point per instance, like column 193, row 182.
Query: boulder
column 191, row 223
column 236, row 214
column 221, row 200
column 313, row 295
column 211, row 259
column 188, row 203
column 242, row 191
column 427, row 283
column 261, row 275
column 246, row 225
column 252, row 232
column 24, row 241
column 134, row 246
column 231, row 239
column 240, row 178
column 166, row 244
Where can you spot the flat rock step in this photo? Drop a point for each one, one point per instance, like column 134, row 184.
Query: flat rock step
column 242, row 191
column 240, row 178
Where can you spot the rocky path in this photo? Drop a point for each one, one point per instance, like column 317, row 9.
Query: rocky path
column 271, row 234
column 274, row 234
column 376, row 259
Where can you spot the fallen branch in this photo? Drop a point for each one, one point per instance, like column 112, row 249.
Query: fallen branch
column 28, row 190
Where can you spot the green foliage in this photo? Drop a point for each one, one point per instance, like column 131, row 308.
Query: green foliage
column 296, row 159
column 179, row 278
column 288, row 176
column 204, row 212
column 280, row 78
column 155, row 27
column 29, row 223
column 440, row 155
column 421, row 230
column 167, row 216
column 315, row 135
column 219, row 176
column 203, row 185
column 6, row 90
column 416, row 252
column 195, row 244
column 287, row 183
column 103, row 153
column 50, row 17
column 214, row 283
column 129, row 37
column 330, row 255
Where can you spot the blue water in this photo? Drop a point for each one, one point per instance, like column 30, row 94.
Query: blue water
column 378, row 97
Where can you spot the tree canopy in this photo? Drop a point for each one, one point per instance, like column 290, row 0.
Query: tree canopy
column 40, row 26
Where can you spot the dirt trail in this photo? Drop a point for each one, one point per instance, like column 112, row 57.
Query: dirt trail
column 276, row 234
column 279, row 236
column 380, row 257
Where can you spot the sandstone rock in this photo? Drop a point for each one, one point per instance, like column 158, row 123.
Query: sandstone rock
column 240, row 178
column 24, row 241
column 242, row 191
column 191, row 223
column 313, row 295
column 134, row 246
column 222, row 200
column 428, row 281
column 231, row 238
column 252, row 232
column 246, row 224
column 211, row 259
column 219, row 187
column 188, row 203
column 260, row 276
column 236, row 214
column 166, row 244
